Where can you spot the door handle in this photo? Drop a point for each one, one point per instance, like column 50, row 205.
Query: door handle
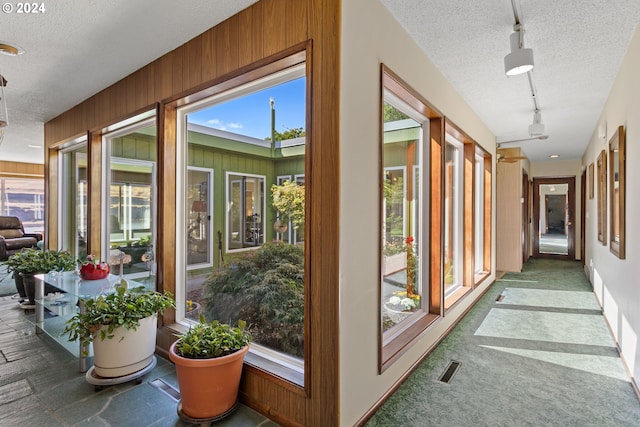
column 569, row 223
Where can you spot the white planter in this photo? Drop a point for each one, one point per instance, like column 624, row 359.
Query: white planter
column 394, row 263
column 127, row 352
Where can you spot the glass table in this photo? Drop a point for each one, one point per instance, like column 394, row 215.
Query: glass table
column 54, row 309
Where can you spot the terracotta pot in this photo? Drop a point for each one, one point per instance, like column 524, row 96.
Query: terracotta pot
column 208, row 387
column 127, row 352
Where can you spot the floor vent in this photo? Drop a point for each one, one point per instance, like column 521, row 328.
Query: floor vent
column 500, row 298
column 451, row 370
column 166, row 389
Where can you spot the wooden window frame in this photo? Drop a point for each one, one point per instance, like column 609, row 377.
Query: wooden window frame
column 617, row 149
column 400, row 342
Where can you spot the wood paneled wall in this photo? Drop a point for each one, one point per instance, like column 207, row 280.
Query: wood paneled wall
column 21, row 170
column 509, row 213
column 251, row 37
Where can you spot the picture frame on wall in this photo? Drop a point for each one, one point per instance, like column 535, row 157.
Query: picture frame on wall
column 591, row 181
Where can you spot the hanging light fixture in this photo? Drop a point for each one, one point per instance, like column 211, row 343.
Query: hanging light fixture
column 520, row 60
column 4, row 118
column 8, row 49
column 537, row 127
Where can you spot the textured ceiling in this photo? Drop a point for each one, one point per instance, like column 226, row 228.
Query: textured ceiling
column 78, row 47
column 578, row 47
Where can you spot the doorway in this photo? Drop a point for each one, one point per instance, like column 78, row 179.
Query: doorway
column 553, row 222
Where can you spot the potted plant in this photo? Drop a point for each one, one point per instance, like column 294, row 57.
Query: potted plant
column 122, row 327
column 208, row 359
column 30, row 262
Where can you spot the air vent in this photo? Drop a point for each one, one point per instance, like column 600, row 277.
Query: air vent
column 500, row 298
column 166, row 389
column 451, row 370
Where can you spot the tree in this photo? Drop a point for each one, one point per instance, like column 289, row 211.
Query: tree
column 287, row 134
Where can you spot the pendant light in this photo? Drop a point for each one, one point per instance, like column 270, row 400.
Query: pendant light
column 9, row 50
column 4, row 118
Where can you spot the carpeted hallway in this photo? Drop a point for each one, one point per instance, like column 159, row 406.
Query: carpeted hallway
column 534, row 351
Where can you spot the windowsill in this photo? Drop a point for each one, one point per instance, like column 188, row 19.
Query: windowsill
column 259, row 362
column 480, row 277
column 452, row 299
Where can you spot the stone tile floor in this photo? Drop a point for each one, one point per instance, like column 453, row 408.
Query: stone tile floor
column 40, row 385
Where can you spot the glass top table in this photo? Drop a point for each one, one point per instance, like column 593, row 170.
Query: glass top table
column 54, row 309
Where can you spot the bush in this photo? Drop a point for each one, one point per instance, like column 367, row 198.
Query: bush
column 265, row 288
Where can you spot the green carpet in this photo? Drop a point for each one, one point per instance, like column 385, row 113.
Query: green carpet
column 541, row 356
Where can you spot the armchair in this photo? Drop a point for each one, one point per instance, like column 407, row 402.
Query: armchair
column 13, row 238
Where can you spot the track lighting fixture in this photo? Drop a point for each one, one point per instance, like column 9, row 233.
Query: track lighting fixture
column 537, row 127
column 520, row 60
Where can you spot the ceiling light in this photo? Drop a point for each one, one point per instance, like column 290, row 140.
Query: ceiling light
column 10, row 49
column 520, row 60
column 4, row 117
column 554, row 156
column 537, row 127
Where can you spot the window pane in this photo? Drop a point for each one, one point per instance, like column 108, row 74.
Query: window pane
column 402, row 285
column 74, row 199
column 453, row 205
column 252, row 141
column 479, row 209
column 23, row 198
column 131, row 205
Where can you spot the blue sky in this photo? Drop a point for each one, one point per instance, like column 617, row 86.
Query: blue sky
column 251, row 114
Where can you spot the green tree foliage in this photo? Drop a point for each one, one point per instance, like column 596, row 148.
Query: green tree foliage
column 266, row 288
column 288, row 134
column 288, row 200
column 391, row 114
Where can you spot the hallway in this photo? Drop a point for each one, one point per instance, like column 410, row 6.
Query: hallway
column 534, row 351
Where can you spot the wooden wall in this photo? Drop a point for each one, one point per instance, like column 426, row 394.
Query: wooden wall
column 509, row 213
column 268, row 29
column 21, row 170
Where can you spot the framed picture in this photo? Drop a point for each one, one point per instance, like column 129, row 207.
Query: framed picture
column 602, row 197
column 617, row 184
column 590, row 182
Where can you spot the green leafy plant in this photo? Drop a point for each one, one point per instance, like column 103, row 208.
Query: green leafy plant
column 122, row 308
column 288, row 200
column 207, row 340
column 31, row 261
column 265, row 288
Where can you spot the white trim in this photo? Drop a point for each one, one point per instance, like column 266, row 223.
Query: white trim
column 210, row 237
column 227, row 207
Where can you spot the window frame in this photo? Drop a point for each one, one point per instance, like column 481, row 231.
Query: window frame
column 394, row 345
column 263, row 219
column 285, row 67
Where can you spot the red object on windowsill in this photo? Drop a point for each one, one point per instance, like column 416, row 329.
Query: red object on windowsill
column 91, row 271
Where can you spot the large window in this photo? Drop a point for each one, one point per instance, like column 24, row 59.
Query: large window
column 453, row 214
column 24, row 198
column 129, row 209
column 408, row 301
column 74, row 193
column 243, row 182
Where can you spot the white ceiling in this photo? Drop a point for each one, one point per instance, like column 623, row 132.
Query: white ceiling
column 79, row 47
column 578, row 47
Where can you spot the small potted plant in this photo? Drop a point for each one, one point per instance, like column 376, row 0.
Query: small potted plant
column 208, row 359
column 29, row 262
column 122, row 327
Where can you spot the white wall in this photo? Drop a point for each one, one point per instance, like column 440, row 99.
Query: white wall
column 370, row 35
column 615, row 281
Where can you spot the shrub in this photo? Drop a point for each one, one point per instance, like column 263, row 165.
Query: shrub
column 266, row 288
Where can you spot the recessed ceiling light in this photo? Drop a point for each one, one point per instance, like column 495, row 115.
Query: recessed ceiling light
column 554, row 156
column 10, row 49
